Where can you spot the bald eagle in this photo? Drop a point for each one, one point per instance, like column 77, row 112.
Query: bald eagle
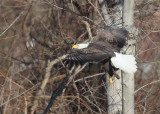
column 105, row 47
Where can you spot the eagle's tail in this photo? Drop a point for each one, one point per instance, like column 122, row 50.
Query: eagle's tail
column 126, row 63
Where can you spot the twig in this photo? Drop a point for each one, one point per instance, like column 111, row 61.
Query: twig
column 5, row 76
column 19, row 95
column 103, row 8
column 12, row 23
column 56, row 93
column 26, row 104
column 88, row 29
column 16, row 59
column 57, row 78
column 157, row 81
column 45, row 80
column 87, row 77
column 77, row 71
column 61, row 88
column 92, row 95
column 145, row 100
column 72, row 12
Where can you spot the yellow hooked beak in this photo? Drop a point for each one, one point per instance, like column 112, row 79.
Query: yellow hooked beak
column 74, row 47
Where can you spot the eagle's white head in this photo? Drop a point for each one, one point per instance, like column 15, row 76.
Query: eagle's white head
column 80, row 46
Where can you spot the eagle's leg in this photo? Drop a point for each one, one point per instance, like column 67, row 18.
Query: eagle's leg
column 103, row 66
column 110, row 72
column 115, row 74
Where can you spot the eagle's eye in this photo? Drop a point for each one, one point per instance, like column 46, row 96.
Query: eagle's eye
column 74, row 46
column 131, row 35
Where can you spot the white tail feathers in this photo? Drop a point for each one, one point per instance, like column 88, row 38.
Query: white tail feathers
column 126, row 63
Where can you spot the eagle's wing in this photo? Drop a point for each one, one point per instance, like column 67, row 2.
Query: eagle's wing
column 89, row 54
column 106, row 47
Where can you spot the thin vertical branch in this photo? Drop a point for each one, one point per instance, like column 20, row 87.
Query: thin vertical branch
column 26, row 104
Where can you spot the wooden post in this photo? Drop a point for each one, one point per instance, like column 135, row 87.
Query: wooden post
column 128, row 79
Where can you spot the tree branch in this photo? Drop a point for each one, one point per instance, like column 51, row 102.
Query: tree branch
column 44, row 82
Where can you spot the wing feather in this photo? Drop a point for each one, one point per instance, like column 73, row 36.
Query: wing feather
column 90, row 55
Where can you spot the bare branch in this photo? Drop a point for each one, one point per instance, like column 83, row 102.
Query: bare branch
column 87, row 77
column 62, row 87
column 157, row 81
column 19, row 95
column 88, row 29
column 45, row 80
column 12, row 23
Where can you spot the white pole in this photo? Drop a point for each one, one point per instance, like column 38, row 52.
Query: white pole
column 128, row 79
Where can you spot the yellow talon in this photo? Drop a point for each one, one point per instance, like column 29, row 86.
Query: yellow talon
column 111, row 80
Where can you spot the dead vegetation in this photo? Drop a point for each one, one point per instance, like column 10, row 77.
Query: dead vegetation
column 32, row 33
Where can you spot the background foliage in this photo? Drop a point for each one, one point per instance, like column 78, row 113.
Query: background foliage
column 35, row 32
